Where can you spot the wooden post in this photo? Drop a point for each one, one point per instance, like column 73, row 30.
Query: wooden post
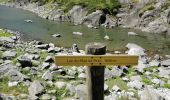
column 95, row 74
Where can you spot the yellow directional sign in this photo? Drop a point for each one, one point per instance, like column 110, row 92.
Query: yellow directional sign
column 96, row 60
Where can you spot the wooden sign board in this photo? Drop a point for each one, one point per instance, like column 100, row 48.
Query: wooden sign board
column 96, row 60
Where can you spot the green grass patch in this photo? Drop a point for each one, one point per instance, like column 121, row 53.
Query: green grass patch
column 146, row 80
column 167, row 86
column 117, row 81
column 15, row 90
column 5, row 34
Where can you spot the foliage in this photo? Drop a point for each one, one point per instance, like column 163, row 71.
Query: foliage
column 15, row 90
column 167, row 86
column 5, row 34
column 117, row 81
column 92, row 5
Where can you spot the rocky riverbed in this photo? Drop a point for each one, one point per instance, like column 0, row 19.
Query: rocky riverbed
column 27, row 71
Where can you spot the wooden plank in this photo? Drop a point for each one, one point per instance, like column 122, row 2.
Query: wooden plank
column 96, row 60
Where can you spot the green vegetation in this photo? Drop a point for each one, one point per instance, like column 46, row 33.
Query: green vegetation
column 92, row 5
column 5, row 34
column 117, row 81
column 146, row 80
column 167, row 86
column 146, row 8
column 15, row 90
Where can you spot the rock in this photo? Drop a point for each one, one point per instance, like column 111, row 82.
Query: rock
column 164, row 72
column 136, row 84
column 110, row 97
column 6, row 97
column 157, row 57
column 77, row 13
column 35, row 90
column 133, row 78
column 51, row 50
column 32, row 56
column 165, row 63
column 43, row 46
column 125, row 79
column 45, row 65
column 132, row 33
column 154, row 63
column 82, row 76
column 77, row 33
column 49, row 59
column 150, row 93
column 157, row 81
column 24, row 61
column 108, row 74
column 90, row 26
column 11, row 71
column 134, row 49
column 156, row 26
column 56, row 35
column 60, row 85
column 94, row 18
column 141, row 66
column 47, row 76
column 75, row 48
column 106, row 37
column 71, row 88
column 9, row 54
column 10, row 84
column 6, row 39
column 116, row 88
column 106, row 87
column 81, row 91
column 46, row 97
column 117, row 71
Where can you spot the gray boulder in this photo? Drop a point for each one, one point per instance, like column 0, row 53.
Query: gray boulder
column 93, row 18
column 154, row 63
column 9, row 54
column 77, row 13
column 136, row 84
column 11, row 71
column 43, row 46
column 165, row 63
column 47, row 76
column 134, row 49
column 75, row 48
column 35, row 90
column 156, row 26
column 81, row 91
column 6, row 39
column 24, row 61
column 150, row 93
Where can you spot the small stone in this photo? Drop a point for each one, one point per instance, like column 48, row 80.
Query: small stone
column 45, row 65
column 82, row 76
column 116, row 88
column 46, row 97
column 49, row 59
column 60, row 85
column 106, row 87
column 47, row 76
column 136, row 84
column 10, row 84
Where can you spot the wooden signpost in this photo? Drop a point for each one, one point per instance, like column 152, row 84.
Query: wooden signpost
column 96, row 59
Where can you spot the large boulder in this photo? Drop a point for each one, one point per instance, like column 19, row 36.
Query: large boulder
column 35, row 90
column 134, row 49
column 24, row 61
column 9, row 54
column 77, row 13
column 11, row 71
column 150, row 93
column 94, row 18
column 156, row 26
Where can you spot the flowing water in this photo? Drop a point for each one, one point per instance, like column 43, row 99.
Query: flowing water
column 42, row 29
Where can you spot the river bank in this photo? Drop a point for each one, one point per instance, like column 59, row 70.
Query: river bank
column 29, row 65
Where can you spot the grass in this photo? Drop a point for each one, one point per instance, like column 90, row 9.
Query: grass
column 146, row 80
column 91, row 5
column 15, row 90
column 117, row 81
column 5, row 34
column 166, row 86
